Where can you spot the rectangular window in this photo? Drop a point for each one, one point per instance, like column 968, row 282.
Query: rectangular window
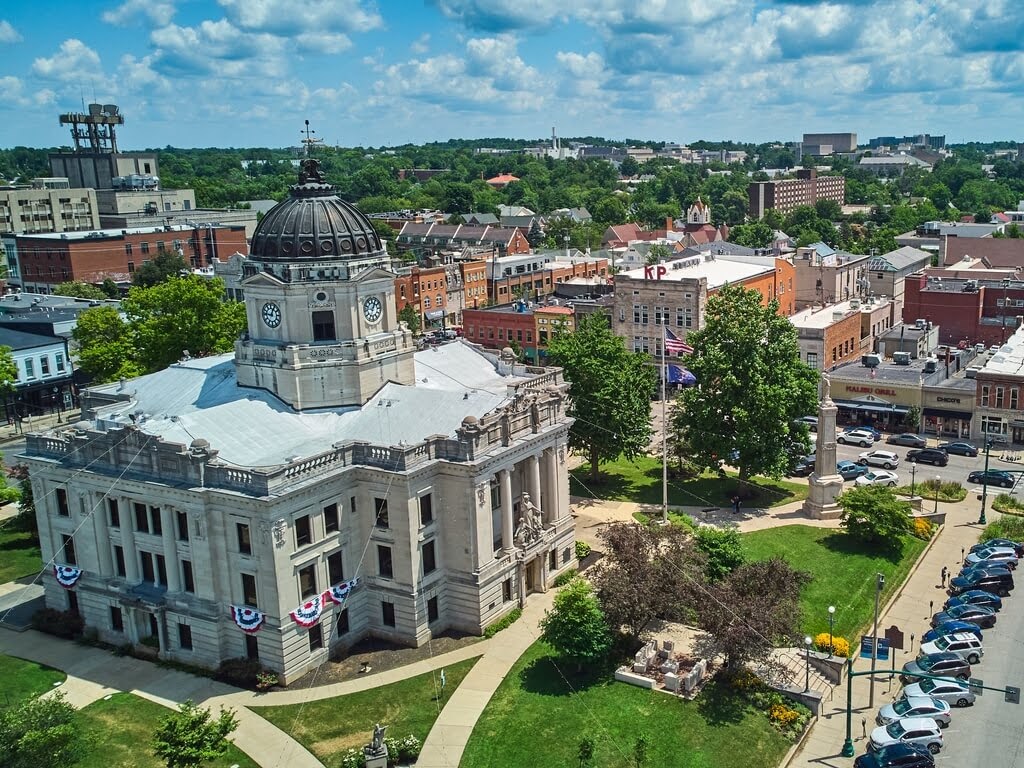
column 62, row 503
column 141, row 518
column 812, row 359
column 184, row 637
column 384, row 566
column 249, row 590
column 342, row 624
column 154, row 515
column 323, row 326
column 144, row 247
column 984, row 395
column 335, row 568
column 119, row 561
column 244, row 542
column 332, row 520
column 161, row 569
column 114, row 514
column 44, row 366
column 316, row 637
column 59, row 358
column 187, row 578
column 67, row 545
column 1013, row 399
column 182, row 518
column 307, row 581
column 352, row 505
column 127, row 249
column 429, row 558
column 303, row 531
column 999, row 397
column 387, row 612
column 116, row 619
column 252, row 647
column 381, row 505
column 506, row 590
column 73, row 604
column 432, row 612
column 148, row 572
column 30, row 372
column 426, row 509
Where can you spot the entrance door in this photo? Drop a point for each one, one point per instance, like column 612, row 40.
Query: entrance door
column 154, row 630
column 531, row 576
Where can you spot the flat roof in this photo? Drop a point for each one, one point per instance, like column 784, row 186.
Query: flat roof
column 821, row 317
column 1009, row 359
column 118, row 232
column 718, row 270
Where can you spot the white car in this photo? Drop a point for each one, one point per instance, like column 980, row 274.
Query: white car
column 956, row 693
column 859, row 437
column 912, row 730
column 993, row 556
column 915, row 706
column 884, row 459
column 878, row 477
column 966, row 645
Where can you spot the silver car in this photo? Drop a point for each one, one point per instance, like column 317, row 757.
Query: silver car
column 910, row 730
column 993, row 556
column 915, row 706
column 949, row 690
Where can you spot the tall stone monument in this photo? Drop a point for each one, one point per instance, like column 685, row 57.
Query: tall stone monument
column 825, row 484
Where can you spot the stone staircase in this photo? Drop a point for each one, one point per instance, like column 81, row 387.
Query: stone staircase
column 788, row 673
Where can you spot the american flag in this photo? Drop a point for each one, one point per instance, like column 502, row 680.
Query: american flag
column 676, row 346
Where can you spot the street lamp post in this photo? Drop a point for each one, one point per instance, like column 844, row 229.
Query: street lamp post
column 831, row 629
column 938, row 482
column 913, row 476
column 879, row 584
column 807, row 663
column 984, row 485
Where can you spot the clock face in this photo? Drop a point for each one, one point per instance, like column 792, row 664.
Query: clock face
column 372, row 309
column 271, row 314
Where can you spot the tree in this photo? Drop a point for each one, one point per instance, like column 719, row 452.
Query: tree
column 657, row 253
column 188, row 738
column 106, row 345
column 647, row 573
column 751, row 386
column 79, row 290
column 875, row 515
column 723, row 549
column 913, row 417
column 755, row 608
column 610, row 391
column 26, row 519
column 110, row 289
column 828, row 209
column 575, row 626
column 40, row 731
column 629, row 166
column 8, row 370
column 165, row 265
column 756, row 234
column 410, row 317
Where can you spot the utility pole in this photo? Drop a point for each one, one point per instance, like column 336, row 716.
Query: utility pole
column 879, row 584
column 984, row 485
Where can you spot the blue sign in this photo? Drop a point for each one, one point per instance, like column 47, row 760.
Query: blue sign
column 866, row 644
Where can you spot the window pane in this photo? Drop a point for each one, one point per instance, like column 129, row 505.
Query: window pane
column 249, row 590
column 335, row 570
column 429, row 561
column 331, row 518
column 307, row 581
column 182, row 526
column 244, row 543
column 303, row 531
column 426, row 508
column 384, row 561
column 381, row 505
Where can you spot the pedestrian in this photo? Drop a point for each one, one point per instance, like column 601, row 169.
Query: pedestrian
column 736, row 503
column 945, row 573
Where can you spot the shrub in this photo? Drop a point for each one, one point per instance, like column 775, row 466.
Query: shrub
column 409, row 749
column 1008, row 527
column 353, row 758
column 723, row 548
column 565, row 577
column 582, row 550
column 922, row 528
column 265, row 680
column 505, row 621
column 150, row 641
column 244, row 673
column 1006, row 504
column 840, row 645
column 782, row 715
column 65, row 624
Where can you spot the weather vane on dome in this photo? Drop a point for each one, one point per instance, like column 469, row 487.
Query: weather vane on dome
column 310, row 168
column 309, row 142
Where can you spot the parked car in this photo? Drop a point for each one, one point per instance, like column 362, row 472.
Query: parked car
column 951, row 691
column 936, row 665
column 908, row 438
column 914, row 730
column 865, row 428
column 810, row 421
column 859, row 437
column 884, row 459
column 994, row 348
column 975, row 597
column 917, row 706
column 1017, row 546
column 999, row 581
column 804, row 466
column 993, row 556
column 958, row 448
column 963, row 644
column 971, row 570
column 951, row 628
column 928, row 456
column 992, row 477
column 849, row 470
column 898, row 755
column 975, row 614
column 879, row 477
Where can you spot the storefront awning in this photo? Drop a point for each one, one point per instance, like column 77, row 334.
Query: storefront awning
column 939, row 413
column 873, row 407
column 436, row 314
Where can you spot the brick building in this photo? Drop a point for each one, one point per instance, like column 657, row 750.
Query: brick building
column 537, row 274
column 530, row 327
column 999, row 409
column 786, row 194
column 440, row 293
column 431, row 238
column 971, row 310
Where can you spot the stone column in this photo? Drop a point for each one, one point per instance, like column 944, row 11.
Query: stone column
column 131, row 554
column 100, row 528
column 550, row 499
column 170, row 549
column 561, row 481
column 533, row 476
column 824, row 484
column 505, row 481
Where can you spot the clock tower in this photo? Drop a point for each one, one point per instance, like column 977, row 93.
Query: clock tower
column 319, row 299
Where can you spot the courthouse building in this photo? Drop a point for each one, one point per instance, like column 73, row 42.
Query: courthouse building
column 324, row 483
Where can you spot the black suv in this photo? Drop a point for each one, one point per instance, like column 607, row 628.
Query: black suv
column 998, row 581
column 928, row 456
column 899, row 755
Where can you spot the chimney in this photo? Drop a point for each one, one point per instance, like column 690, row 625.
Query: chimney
column 668, row 223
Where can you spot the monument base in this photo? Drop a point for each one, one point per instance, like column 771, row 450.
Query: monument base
column 375, row 759
column 821, row 497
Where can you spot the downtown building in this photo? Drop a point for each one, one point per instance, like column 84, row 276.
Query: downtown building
column 323, row 484
column 785, row 195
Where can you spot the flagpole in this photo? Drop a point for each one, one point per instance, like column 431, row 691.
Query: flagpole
column 664, row 432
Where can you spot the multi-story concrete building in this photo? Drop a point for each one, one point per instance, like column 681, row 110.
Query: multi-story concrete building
column 827, row 276
column 533, row 275
column 836, row 142
column 783, row 195
column 324, row 484
column 39, row 208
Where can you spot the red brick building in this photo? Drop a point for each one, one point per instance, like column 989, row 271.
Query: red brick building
column 530, row 328
column 786, row 194
column 972, row 310
column 92, row 257
column 436, row 293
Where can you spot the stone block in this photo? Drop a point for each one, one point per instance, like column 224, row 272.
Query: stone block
column 669, row 666
column 668, row 645
column 671, row 682
column 640, row 667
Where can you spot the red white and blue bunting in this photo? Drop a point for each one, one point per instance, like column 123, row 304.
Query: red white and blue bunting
column 67, row 575
column 308, row 614
column 248, row 619
column 339, row 592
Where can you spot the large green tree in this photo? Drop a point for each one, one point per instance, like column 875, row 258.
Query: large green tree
column 106, row 345
column 40, row 731
column 575, row 626
column 165, row 265
column 751, row 386
column 610, row 391
column 874, row 514
column 190, row 737
column 79, row 290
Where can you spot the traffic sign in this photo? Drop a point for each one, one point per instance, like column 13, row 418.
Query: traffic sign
column 1012, row 695
column 865, row 648
column 977, row 686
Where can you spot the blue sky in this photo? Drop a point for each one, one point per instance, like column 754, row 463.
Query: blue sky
column 248, row 72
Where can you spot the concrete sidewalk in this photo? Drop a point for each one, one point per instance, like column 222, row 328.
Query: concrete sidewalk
column 909, row 610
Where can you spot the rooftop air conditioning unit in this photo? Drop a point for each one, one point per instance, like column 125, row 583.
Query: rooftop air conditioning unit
column 901, row 358
column 931, row 365
column 854, row 303
column 972, row 373
column 870, row 361
column 921, row 323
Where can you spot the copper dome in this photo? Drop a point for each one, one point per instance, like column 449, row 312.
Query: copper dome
column 313, row 223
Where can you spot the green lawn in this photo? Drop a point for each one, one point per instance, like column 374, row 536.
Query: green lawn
column 330, row 726
column 541, row 712
column 842, row 569
column 120, row 732
column 19, row 553
column 640, row 481
column 24, row 679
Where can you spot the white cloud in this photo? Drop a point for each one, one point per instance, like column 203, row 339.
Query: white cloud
column 12, row 91
column 501, row 15
column 219, row 49
column 421, row 44
column 72, row 62
column 159, row 12
column 8, row 34
column 287, row 17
